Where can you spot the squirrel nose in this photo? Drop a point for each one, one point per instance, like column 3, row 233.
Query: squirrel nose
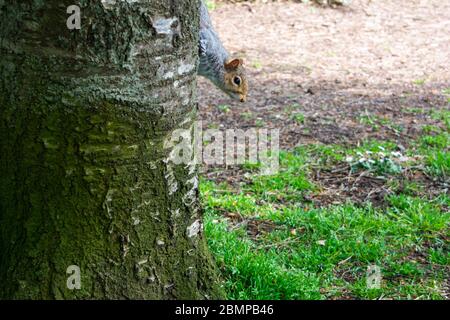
column 242, row 99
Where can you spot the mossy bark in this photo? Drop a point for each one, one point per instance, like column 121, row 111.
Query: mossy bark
column 86, row 178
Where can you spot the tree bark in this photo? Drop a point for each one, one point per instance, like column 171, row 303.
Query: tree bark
column 86, row 178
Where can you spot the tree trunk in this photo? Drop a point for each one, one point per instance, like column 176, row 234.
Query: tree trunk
column 86, row 178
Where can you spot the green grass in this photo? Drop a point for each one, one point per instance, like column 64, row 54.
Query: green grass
column 298, row 117
column 446, row 92
column 419, row 82
column 211, row 4
column 414, row 110
column 327, row 243
column 290, row 183
column 315, row 252
column 247, row 115
column 291, row 108
column 260, row 123
column 224, row 108
column 444, row 116
column 257, row 64
column 376, row 122
column 438, row 164
column 436, row 151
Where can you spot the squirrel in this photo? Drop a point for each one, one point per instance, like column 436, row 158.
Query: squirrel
column 228, row 74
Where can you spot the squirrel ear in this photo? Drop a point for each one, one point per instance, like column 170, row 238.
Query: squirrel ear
column 233, row 64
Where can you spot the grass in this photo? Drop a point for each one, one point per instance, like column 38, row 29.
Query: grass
column 298, row 117
column 436, row 151
column 257, row 64
column 328, row 253
column 447, row 93
column 224, row 108
column 419, row 82
column 313, row 252
column 376, row 122
column 433, row 146
column 211, row 5
column 247, row 115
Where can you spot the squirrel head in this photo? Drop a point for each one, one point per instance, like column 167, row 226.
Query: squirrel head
column 235, row 79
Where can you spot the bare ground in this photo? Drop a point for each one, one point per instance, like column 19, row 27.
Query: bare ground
column 375, row 58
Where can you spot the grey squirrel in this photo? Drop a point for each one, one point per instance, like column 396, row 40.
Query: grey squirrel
column 228, row 74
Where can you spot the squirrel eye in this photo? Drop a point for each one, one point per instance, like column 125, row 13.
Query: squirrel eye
column 237, row 81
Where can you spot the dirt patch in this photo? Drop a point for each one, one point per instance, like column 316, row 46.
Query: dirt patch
column 254, row 227
column 339, row 184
